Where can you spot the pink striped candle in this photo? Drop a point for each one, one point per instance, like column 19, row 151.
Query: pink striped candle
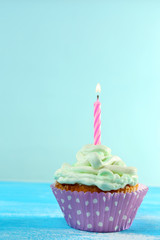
column 97, row 118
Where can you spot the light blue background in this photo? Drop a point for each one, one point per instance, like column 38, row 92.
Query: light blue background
column 52, row 54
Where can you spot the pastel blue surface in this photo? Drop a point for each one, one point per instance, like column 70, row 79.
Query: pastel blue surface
column 30, row 211
column 52, row 54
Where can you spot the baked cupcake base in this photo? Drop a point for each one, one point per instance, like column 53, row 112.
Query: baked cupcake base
column 99, row 212
column 85, row 188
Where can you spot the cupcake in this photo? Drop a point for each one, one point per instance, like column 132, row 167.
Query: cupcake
column 99, row 192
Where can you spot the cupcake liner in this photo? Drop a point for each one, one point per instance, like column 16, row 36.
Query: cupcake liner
column 99, row 212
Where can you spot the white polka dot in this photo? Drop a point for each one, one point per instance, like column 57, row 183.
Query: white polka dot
column 124, row 217
column 88, row 214
column 95, row 200
column 55, row 192
column 104, row 198
column 116, row 203
column 97, row 213
column 86, row 203
column 106, row 209
column 89, row 226
column 116, row 227
column 77, row 200
column 119, row 212
column 69, row 197
column 63, row 208
column 124, row 196
column 129, row 220
column 100, row 224
column 79, row 212
column 137, row 196
column 135, row 193
column 69, row 206
column 111, row 219
column 78, row 222
column 62, row 200
column 69, row 216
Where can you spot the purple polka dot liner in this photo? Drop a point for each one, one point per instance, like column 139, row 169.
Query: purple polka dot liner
column 99, row 212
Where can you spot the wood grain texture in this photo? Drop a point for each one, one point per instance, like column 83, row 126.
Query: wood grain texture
column 30, row 211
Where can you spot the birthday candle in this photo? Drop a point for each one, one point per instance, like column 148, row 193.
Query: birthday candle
column 97, row 118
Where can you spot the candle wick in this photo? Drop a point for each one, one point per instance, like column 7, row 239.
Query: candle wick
column 97, row 97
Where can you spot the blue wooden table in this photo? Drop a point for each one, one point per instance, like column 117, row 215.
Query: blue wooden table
column 30, row 211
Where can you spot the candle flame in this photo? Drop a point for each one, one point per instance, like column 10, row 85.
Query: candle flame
column 98, row 88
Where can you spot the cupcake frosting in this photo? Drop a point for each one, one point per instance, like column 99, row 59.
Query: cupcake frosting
column 96, row 166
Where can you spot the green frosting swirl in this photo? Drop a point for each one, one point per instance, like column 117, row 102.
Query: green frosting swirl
column 96, row 166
